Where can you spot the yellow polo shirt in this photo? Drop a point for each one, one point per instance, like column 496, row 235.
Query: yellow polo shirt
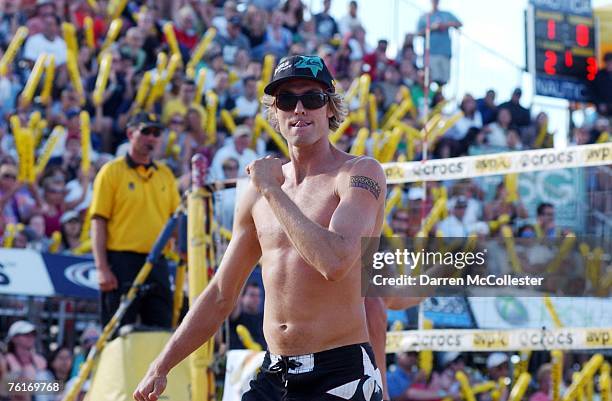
column 136, row 201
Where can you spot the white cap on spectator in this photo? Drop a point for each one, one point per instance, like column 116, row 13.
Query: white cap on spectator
column 20, row 327
column 241, row 130
column 496, row 359
column 415, row 193
column 449, row 357
column 68, row 215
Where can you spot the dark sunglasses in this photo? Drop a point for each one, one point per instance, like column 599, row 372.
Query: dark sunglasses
column 310, row 101
column 151, row 131
column 177, row 122
column 11, row 176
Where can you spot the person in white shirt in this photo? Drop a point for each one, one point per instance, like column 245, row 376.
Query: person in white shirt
column 453, row 226
column 48, row 41
column 463, row 220
column 473, row 209
column 497, row 131
column 471, row 118
column 226, row 198
column 350, row 21
column 220, row 22
column 74, row 188
column 238, row 149
column 248, row 104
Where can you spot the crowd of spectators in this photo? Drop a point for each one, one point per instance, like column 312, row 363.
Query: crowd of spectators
column 408, row 381
column 50, row 212
column 21, row 361
column 57, row 200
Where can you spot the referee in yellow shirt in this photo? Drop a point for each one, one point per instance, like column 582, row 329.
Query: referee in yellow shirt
column 133, row 198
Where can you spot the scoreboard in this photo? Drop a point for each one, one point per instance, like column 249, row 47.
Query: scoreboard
column 561, row 52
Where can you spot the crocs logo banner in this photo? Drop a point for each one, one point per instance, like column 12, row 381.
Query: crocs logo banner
column 314, row 64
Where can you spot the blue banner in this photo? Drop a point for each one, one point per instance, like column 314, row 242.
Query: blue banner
column 72, row 276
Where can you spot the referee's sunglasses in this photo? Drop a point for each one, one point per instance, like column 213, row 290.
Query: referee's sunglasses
column 310, row 101
column 156, row 132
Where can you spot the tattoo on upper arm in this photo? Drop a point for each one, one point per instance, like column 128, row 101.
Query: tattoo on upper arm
column 360, row 181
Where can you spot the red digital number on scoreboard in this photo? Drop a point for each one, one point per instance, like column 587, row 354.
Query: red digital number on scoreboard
column 582, row 35
column 591, row 68
column 550, row 62
column 569, row 58
column 551, row 30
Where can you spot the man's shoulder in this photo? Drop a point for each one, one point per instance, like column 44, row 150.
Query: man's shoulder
column 364, row 165
column 363, row 172
column 163, row 167
column 118, row 163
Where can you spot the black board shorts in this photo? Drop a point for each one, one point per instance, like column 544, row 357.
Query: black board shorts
column 343, row 373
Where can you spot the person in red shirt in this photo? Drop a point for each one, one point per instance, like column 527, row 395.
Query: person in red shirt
column 377, row 61
column 184, row 29
column 81, row 9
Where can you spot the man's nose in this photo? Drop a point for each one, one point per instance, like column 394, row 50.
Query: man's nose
column 299, row 108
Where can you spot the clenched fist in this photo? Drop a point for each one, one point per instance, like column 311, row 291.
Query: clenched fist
column 266, row 173
column 151, row 387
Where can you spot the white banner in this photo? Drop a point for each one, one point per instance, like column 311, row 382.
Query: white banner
column 499, row 340
column 23, row 272
column 499, row 163
column 531, row 312
column 242, row 366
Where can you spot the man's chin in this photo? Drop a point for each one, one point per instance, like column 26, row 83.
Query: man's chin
column 301, row 142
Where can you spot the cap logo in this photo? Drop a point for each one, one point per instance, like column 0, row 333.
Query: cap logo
column 314, row 64
column 282, row 66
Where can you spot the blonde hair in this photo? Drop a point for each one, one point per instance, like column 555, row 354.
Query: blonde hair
column 336, row 104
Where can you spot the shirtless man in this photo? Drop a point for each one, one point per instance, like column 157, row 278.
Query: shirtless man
column 304, row 222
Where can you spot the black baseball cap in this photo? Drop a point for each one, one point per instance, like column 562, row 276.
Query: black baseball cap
column 305, row 67
column 145, row 120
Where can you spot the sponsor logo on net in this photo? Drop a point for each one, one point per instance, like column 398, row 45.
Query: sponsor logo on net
column 83, row 274
column 599, row 154
column 493, row 164
column 490, row 340
column 448, row 166
column 550, row 158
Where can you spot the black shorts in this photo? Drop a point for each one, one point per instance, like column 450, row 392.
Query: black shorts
column 344, row 373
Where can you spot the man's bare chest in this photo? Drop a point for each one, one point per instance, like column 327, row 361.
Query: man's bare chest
column 316, row 200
